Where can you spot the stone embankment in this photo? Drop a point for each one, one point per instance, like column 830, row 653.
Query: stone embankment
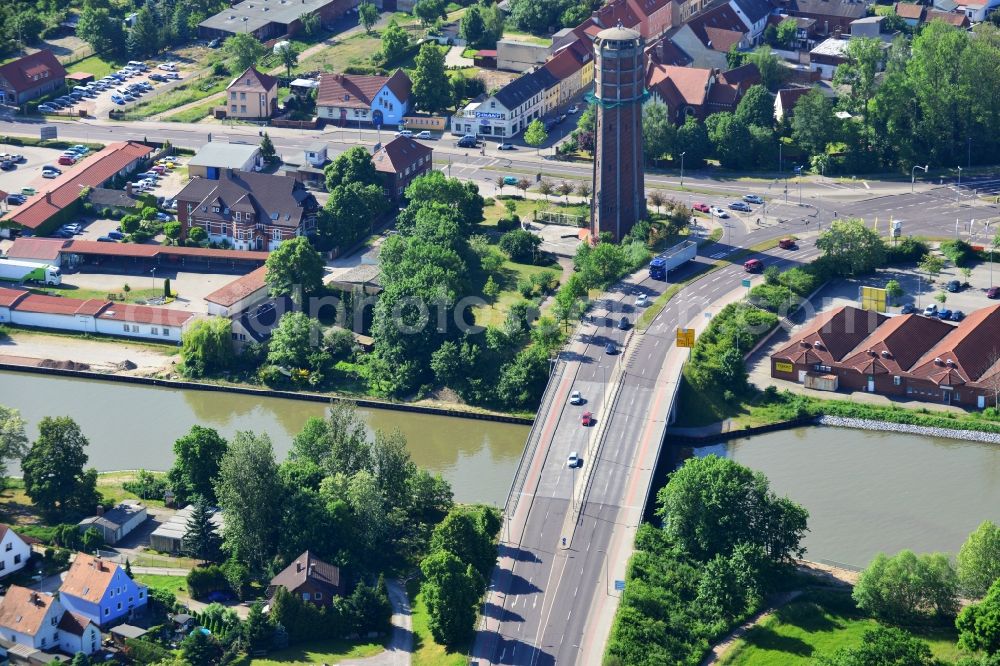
column 884, row 426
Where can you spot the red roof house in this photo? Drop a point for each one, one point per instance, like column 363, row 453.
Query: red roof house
column 30, row 77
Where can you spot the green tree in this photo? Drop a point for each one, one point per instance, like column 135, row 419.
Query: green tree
column 53, row 469
column 144, row 36
column 852, row 246
column 267, row 149
column 979, row 560
column 289, row 57
column 730, row 138
column 96, row 27
column 786, row 33
column 772, row 71
column 491, row 289
column 469, row 533
column 13, row 439
column 431, row 92
column 349, row 215
column 883, row 646
column 813, row 122
column 699, row 504
column 247, row 487
column 535, row 134
column 756, row 107
column 294, row 269
column 244, row 50
column 735, row 58
column 200, row 538
column 473, row 28
column 395, row 41
column 207, row 347
column 931, row 264
column 658, row 133
column 864, row 59
column 311, row 24
column 429, row 11
column 197, row 456
column 451, row 591
column 256, row 630
column 979, row 624
column 692, row 139
column 520, row 245
column 368, row 15
column 354, row 165
column 906, row 587
column 295, row 342
column 80, row 659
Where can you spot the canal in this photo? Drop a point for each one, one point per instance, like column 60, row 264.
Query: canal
column 134, row 427
column 868, row 492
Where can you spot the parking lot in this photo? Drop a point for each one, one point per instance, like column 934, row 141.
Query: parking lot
column 29, row 172
column 120, row 90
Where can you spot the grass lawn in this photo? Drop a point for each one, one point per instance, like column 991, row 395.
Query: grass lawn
column 355, row 50
column 70, row 291
column 93, row 65
column 16, row 507
column 177, row 585
column 525, row 208
column 512, row 273
column 815, row 625
column 526, row 37
column 182, row 94
column 195, row 113
column 425, row 651
column 317, row 652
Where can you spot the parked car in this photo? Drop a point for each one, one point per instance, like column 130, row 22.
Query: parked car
column 49, row 167
column 468, row 141
column 930, row 310
column 159, row 168
column 740, row 206
column 167, row 67
column 105, row 239
column 753, row 198
column 573, row 109
column 576, row 398
column 80, row 149
column 907, row 309
column 505, row 146
column 73, row 227
column 49, row 174
column 957, row 315
column 6, row 165
column 163, row 217
column 753, row 266
column 993, row 292
column 116, row 235
column 28, row 191
column 701, row 208
column 624, row 323
column 944, row 314
column 561, row 118
column 510, row 180
column 641, row 301
column 117, row 99
column 425, row 134
column 953, row 286
column 66, row 160
column 574, row 458
column 718, row 212
column 406, row 133
column 45, row 108
column 15, row 199
column 157, row 77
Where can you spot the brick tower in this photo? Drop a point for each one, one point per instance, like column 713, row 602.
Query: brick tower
column 619, row 91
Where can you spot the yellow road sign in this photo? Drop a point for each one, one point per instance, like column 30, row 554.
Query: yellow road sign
column 685, row 337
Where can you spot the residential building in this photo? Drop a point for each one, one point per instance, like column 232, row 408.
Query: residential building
column 707, row 37
column 511, row 109
column 698, row 92
column 78, row 633
column 957, row 19
column 248, row 211
column 117, row 523
column 650, row 18
column 311, row 171
column 832, row 16
column 169, row 536
column 30, row 77
column 239, row 295
column 754, row 14
column 918, row 357
column 141, row 258
column 100, row 590
column 399, row 162
column 913, row 15
column 785, row 101
column 827, row 56
column 121, row 201
column 977, row 10
column 572, row 67
column 14, row 551
column 41, row 212
column 252, row 96
column 348, row 99
column 870, row 27
column 30, row 618
column 310, row 579
column 215, row 157
column 269, row 19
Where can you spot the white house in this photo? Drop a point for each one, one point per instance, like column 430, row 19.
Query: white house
column 239, row 295
column 754, row 14
column 14, row 551
column 349, row 99
column 30, row 618
column 511, row 109
column 78, row 633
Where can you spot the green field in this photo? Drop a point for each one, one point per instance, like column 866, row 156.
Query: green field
column 815, row 625
column 93, row 65
column 177, row 585
column 496, row 313
column 316, row 652
column 184, row 94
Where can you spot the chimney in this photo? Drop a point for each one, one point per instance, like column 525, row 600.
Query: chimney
column 128, row 189
column 34, row 597
column 312, row 568
column 100, row 510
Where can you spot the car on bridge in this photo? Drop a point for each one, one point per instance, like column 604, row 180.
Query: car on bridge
column 576, row 398
column 573, row 460
column 753, row 266
column 587, row 419
column 610, row 348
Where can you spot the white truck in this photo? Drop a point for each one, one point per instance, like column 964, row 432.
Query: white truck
column 12, row 270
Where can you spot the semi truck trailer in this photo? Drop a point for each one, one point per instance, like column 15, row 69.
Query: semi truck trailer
column 12, row 270
column 672, row 258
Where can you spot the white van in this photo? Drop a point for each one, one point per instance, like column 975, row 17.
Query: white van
column 135, row 64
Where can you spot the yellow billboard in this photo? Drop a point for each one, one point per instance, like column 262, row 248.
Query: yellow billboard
column 685, row 337
column 873, row 298
column 783, row 366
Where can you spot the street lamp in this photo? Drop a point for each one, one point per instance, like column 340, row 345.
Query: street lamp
column 958, row 190
column 682, row 168
column 913, row 175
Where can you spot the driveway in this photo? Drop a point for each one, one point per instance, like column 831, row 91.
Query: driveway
column 399, row 650
column 454, row 58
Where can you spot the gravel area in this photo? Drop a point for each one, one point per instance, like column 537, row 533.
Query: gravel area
column 100, row 355
column 866, row 424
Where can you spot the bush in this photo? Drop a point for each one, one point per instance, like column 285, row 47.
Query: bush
column 141, row 651
column 958, row 251
column 505, row 224
column 146, row 485
column 908, row 250
column 908, row 587
column 203, row 581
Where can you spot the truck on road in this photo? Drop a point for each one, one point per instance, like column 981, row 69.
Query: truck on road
column 672, row 258
column 12, row 270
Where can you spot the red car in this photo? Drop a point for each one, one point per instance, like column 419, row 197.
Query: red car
column 993, row 292
column 753, row 266
column 67, row 160
column 701, row 208
column 587, row 419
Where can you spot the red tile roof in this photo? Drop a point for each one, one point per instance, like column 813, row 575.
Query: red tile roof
column 790, row 97
column 400, row 85
column 9, row 297
column 144, row 314
column 46, row 249
column 74, row 623
column 24, row 610
column 952, row 18
column 399, row 154
column 145, row 251
column 742, row 77
column 897, row 344
column 239, row 289
column 32, row 70
column 91, row 172
column 564, row 63
column 679, row 85
column 58, row 305
column 358, row 91
column 257, row 79
column 971, row 349
column 908, row 10
column 25, row 301
column 720, row 27
column 837, row 332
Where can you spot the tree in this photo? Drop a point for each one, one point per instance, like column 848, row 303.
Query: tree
column 657, row 199
column 267, row 149
column 883, row 646
column 730, row 138
column 772, row 72
column 893, row 290
column 864, row 59
column 80, row 659
column 368, row 15
column 813, row 122
column 144, row 36
column 349, row 215
column 469, row 533
column 431, row 91
column 294, row 269
column 256, row 630
column 692, row 139
column 197, row 456
column 703, row 498
column 289, row 57
column 395, row 41
column 852, row 246
column 295, row 341
column 932, row 265
column 535, row 134
column 583, row 189
column 311, row 23
column 13, row 440
column 734, row 57
column 200, row 538
column 565, row 189
column 100, row 30
column 473, row 28
column 979, row 624
column 197, row 235
column 429, row 11
column 906, row 587
column 451, row 591
column 786, row 33
column 54, row 475
column 247, row 489
column 756, row 107
column 520, row 245
column 244, row 50
column 207, row 347
column 979, row 560
column 658, row 133
column 491, row 289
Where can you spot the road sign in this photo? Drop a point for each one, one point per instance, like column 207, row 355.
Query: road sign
column 47, row 132
column 619, row 585
column 745, row 283
column 873, row 298
column 685, row 337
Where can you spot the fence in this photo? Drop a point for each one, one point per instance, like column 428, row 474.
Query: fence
column 78, row 54
column 565, row 219
column 148, row 560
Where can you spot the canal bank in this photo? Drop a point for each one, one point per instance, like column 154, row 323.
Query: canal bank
column 134, row 426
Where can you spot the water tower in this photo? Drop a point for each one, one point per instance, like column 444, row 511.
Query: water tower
column 619, row 91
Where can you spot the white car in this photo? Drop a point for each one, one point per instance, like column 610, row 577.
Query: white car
column 573, row 460
column 573, row 109
column 718, row 212
column 424, row 135
column 406, row 133
column 576, row 398
column 505, row 146
column 641, row 301
column 167, row 67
